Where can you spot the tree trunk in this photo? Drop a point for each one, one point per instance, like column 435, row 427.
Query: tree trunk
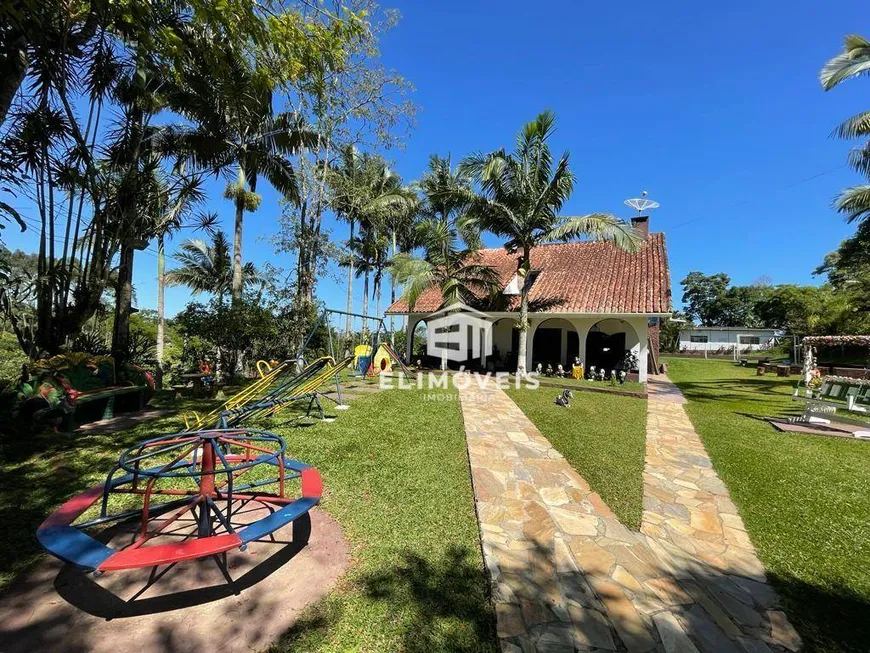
column 305, row 258
column 161, row 287
column 393, row 295
column 13, row 70
column 378, row 300
column 524, row 317
column 123, row 309
column 349, row 319
column 365, row 302
column 237, row 239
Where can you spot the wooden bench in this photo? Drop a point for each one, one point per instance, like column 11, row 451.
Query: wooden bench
column 109, row 393
column 77, row 387
column 835, row 393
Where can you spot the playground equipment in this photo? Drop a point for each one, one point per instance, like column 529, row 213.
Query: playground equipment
column 304, row 385
column 291, row 381
column 362, row 358
column 376, row 338
column 273, row 391
column 384, row 359
column 191, row 472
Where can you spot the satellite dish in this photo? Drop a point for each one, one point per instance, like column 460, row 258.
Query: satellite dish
column 641, row 204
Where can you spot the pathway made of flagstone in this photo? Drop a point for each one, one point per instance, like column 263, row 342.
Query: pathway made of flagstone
column 567, row 575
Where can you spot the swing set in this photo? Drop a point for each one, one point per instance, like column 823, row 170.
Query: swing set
column 297, row 380
column 370, row 357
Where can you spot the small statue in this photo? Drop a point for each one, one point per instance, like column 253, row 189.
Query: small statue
column 622, row 375
column 601, row 374
column 560, row 371
column 539, row 368
column 578, row 362
column 564, row 399
column 592, row 372
column 549, row 371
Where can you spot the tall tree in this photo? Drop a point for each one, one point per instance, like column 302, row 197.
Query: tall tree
column 64, row 66
column 181, row 200
column 206, row 267
column 234, row 132
column 365, row 193
column 701, row 295
column 520, row 197
column 448, row 240
column 848, row 268
column 354, row 104
column 853, row 61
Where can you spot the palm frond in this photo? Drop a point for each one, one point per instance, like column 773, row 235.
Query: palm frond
column 853, row 61
column 855, row 126
column 599, row 226
column 416, row 275
column 277, row 170
column 854, row 202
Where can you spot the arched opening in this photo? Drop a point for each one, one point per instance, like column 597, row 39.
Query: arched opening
column 555, row 342
column 609, row 343
column 505, row 344
column 417, row 345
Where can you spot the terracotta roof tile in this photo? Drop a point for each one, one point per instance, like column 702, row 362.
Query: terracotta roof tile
column 581, row 277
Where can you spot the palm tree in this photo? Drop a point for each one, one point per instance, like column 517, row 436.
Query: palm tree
column 206, row 267
column 853, row 61
column 448, row 238
column 187, row 194
column 235, row 133
column 366, row 193
column 521, row 195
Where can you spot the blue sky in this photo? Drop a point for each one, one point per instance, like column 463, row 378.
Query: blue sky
column 715, row 110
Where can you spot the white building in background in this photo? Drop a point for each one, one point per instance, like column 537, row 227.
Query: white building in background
column 727, row 338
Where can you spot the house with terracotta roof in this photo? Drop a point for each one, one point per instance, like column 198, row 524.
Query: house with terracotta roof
column 587, row 299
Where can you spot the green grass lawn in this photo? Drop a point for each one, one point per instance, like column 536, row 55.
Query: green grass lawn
column 805, row 499
column 628, row 386
column 396, row 478
column 603, row 436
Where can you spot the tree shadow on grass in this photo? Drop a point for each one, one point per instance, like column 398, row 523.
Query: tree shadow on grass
column 447, row 589
column 442, row 604
column 744, row 390
column 828, row 618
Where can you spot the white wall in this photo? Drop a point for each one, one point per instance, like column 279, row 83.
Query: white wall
column 635, row 329
column 725, row 339
column 502, row 334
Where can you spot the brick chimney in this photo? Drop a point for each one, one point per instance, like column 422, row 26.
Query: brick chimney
column 641, row 226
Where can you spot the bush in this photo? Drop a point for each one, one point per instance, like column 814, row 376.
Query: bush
column 221, row 332
column 11, row 358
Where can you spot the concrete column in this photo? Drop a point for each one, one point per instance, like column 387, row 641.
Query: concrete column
column 641, row 327
column 530, row 335
column 582, row 326
column 564, row 346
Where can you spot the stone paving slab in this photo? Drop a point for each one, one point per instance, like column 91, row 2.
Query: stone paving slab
column 566, row 575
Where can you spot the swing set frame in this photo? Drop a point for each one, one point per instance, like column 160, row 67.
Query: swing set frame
column 373, row 336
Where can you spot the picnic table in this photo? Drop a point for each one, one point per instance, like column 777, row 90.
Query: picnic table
column 196, row 377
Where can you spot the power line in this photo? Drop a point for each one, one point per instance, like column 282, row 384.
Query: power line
column 745, row 202
column 60, row 241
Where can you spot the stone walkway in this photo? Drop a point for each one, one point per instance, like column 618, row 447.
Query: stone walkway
column 567, row 575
